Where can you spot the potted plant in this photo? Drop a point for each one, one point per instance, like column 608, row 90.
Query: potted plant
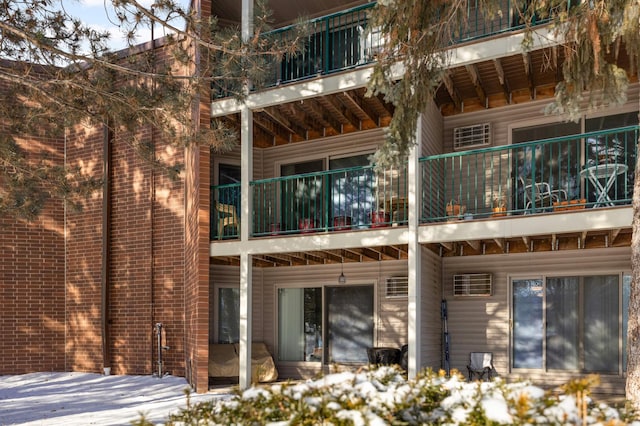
column 499, row 207
column 454, row 208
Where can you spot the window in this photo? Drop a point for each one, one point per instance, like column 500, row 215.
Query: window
column 228, row 315
column 585, row 330
column 347, row 325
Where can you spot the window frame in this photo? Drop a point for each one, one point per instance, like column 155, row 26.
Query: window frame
column 621, row 370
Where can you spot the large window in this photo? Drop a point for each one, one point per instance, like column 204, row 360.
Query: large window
column 574, row 323
column 341, row 316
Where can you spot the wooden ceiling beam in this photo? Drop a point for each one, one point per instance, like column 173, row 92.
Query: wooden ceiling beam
column 528, row 69
column 339, row 111
column 362, row 110
column 311, row 107
column 497, row 64
column 453, row 92
column 472, row 70
column 292, row 128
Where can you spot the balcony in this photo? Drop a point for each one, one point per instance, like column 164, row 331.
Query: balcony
column 589, row 170
column 344, row 40
column 574, row 172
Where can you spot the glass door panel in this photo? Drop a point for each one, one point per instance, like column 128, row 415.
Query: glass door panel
column 601, row 324
column 527, row 323
column 349, row 323
column 301, row 198
column 352, row 191
column 556, row 164
column 300, row 324
column 562, row 323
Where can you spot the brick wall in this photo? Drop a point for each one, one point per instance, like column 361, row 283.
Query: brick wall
column 32, row 293
column 51, row 270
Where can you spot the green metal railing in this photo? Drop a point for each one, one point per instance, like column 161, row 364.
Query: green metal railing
column 587, row 170
column 225, row 211
column 344, row 39
column 334, row 42
column 335, row 200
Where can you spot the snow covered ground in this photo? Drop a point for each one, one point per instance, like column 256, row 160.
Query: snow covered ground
column 71, row 399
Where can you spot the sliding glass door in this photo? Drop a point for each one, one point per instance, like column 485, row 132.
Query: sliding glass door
column 349, row 323
column 340, row 315
column 569, row 323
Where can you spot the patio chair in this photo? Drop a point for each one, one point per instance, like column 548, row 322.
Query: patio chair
column 480, row 365
column 227, row 216
column 540, row 194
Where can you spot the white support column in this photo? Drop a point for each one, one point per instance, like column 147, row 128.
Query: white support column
column 246, row 170
column 414, row 308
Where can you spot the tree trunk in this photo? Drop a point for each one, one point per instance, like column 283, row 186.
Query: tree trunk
column 633, row 326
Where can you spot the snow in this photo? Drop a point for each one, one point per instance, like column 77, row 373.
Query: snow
column 91, row 399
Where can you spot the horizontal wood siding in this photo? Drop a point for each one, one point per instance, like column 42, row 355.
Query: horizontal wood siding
column 482, row 323
column 432, row 131
column 431, row 324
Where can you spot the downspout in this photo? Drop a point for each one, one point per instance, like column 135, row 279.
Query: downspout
column 107, row 138
column 152, row 194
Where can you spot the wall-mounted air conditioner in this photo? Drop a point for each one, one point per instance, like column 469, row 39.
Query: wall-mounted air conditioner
column 472, row 285
column 471, row 136
column 397, row 287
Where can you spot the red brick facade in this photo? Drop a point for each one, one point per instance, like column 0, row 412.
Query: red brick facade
column 32, row 290
column 147, row 243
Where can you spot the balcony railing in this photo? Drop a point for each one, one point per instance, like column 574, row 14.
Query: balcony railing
column 334, row 200
column 580, row 171
column 345, row 39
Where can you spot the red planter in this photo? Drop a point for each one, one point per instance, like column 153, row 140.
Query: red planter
column 380, row 219
column 274, row 228
column 341, row 223
column 306, row 225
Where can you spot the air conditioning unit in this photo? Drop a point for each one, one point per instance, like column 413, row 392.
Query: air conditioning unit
column 472, row 136
column 397, row 287
column 472, row 285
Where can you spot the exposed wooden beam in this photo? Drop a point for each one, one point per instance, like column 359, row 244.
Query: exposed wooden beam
column 528, row 69
column 497, row 63
column 337, row 109
column 311, row 107
column 477, row 84
column 474, row 244
column 283, row 121
column 362, row 110
column 453, row 92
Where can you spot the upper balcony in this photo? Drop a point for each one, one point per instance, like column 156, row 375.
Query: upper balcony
column 345, row 40
column 578, row 172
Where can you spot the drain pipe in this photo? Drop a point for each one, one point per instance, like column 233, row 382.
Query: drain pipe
column 107, row 138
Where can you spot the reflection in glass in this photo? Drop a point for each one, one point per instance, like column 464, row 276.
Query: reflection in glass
column 527, row 331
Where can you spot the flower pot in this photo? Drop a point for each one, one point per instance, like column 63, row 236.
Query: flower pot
column 306, row 225
column 341, row 223
column 499, row 211
column 274, row 229
column 380, row 219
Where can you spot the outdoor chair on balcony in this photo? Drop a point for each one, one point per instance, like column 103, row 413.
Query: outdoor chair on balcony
column 480, row 365
column 539, row 195
column 227, row 216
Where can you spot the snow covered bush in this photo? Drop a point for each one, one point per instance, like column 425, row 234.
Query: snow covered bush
column 384, row 397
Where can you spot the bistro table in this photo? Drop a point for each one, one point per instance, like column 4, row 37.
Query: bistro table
column 603, row 176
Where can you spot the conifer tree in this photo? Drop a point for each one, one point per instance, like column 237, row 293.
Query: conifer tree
column 56, row 72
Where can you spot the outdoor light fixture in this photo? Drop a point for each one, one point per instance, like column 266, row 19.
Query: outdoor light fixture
column 342, row 279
